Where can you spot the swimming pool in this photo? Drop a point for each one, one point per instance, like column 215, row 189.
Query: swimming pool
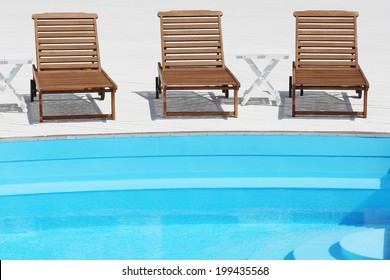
column 191, row 196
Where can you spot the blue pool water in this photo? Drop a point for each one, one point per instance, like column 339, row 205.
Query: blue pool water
column 191, row 197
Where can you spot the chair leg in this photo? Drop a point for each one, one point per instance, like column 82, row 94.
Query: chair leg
column 226, row 92
column 289, row 86
column 365, row 103
column 40, row 107
column 236, row 102
column 164, row 102
column 158, row 87
column 301, row 92
column 293, row 100
column 33, row 90
column 113, row 113
column 102, row 95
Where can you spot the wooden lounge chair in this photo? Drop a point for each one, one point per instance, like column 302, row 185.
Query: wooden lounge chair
column 192, row 58
column 68, row 61
column 326, row 57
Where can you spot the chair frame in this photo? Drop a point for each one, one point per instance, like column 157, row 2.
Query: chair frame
column 326, row 57
column 193, row 58
column 68, row 60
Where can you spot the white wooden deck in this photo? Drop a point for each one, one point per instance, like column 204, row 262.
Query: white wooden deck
column 130, row 55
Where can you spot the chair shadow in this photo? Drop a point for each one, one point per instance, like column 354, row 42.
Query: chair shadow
column 182, row 101
column 318, row 101
column 65, row 104
column 10, row 108
column 8, row 103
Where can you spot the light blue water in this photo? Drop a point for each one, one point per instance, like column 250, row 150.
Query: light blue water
column 179, row 224
column 166, row 197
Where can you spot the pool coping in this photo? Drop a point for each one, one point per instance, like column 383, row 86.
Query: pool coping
column 192, row 133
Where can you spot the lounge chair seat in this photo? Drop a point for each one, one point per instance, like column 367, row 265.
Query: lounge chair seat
column 213, row 77
column 349, row 78
column 75, row 81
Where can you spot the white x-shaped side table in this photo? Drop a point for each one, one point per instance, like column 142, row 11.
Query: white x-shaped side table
column 262, row 74
column 5, row 81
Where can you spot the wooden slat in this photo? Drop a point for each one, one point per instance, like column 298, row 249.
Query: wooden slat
column 189, row 26
column 192, row 38
column 325, row 32
column 191, row 51
column 69, row 59
column 326, row 13
column 189, row 13
column 66, row 34
column 325, row 26
column 192, row 57
column 190, row 32
column 326, row 38
column 193, row 64
column 189, row 20
column 326, row 63
column 325, row 20
column 66, row 41
column 326, row 44
column 68, row 47
column 201, row 113
column 327, row 57
column 69, row 66
column 324, row 51
column 191, row 44
column 64, row 22
column 68, row 53
column 75, row 117
column 65, row 29
column 64, row 15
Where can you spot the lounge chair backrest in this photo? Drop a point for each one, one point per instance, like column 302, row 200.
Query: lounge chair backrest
column 326, row 39
column 66, row 41
column 191, row 39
